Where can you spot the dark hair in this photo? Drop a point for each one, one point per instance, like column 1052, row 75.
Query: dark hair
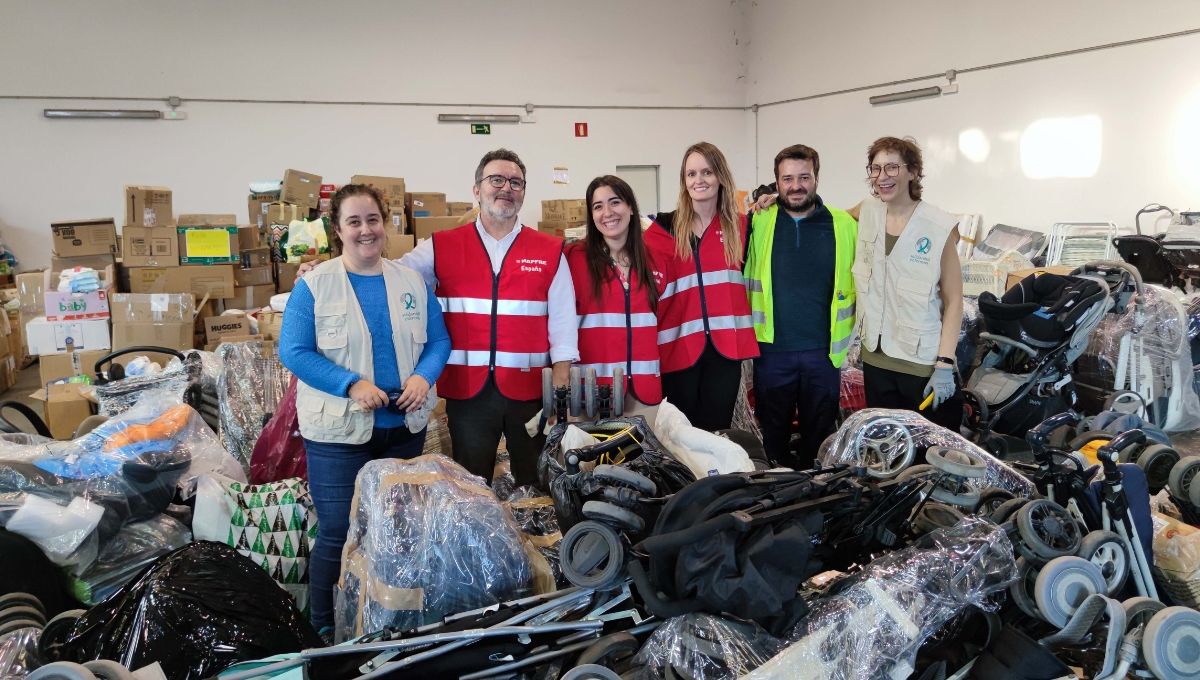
column 497, row 155
column 598, row 257
column 799, row 152
column 335, row 211
column 911, row 154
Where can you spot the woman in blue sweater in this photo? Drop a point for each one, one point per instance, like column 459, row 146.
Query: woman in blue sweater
column 365, row 338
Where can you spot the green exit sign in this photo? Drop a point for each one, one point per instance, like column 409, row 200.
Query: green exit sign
column 481, row 128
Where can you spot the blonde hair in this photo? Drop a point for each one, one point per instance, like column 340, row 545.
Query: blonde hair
column 727, row 211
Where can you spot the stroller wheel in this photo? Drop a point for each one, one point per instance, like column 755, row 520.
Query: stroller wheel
column 933, row 516
column 618, row 392
column 108, row 670
column 62, row 670
column 884, row 447
column 955, row 492
column 591, row 555
column 625, row 476
column 975, row 410
column 1139, row 611
column 589, row 393
column 21, row 612
column 590, row 671
column 992, row 498
column 1107, row 551
column 57, row 629
column 1005, row 510
column 548, row 392
column 1021, row 590
column 10, row 625
column 955, row 462
column 1157, row 460
column 608, row 649
column 1063, row 584
column 1171, row 643
column 1126, row 401
column 23, row 600
column 1181, row 480
column 574, row 403
column 615, row 515
column 915, row 471
column 1048, row 530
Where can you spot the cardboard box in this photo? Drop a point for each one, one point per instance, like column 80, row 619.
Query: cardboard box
column 8, row 372
column 554, row 211
column 254, row 276
column 426, row 204
column 54, row 337
column 577, row 212
column 256, row 257
column 270, row 324
column 556, row 227
column 456, row 208
column 399, row 219
column 1015, row 277
column 63, row 408
column 207, row 220
column 55, row 367
column 84, row 237
column 213, row 281
column 208, row 245
column 398, row 244
column 256, row 205
column 285, row 276
column 284, row 213
column 97, row 262
column 250, row 297
column 392, row 188
column 250, row 237
column 75, row 306
column 16, row 339
column 150, row 246
column 148, row 206
column 219, row 326
column 301, row 188
column 424, row 227
column 160, row 320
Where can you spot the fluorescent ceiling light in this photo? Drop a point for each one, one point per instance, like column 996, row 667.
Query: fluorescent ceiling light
column 477, row 118
column 906, row 95
column 145, row 114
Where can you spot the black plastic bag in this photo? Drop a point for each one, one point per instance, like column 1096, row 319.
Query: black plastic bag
column 195, row 611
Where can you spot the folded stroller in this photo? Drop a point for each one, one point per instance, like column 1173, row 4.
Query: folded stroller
column 1036, row 330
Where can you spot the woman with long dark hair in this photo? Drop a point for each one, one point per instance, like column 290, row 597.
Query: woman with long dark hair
column 616, row 296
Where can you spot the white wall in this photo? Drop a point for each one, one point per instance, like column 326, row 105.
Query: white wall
column 569, row 52
column 1147, row 98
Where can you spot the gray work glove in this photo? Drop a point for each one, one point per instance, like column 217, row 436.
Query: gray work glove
column 941, row 383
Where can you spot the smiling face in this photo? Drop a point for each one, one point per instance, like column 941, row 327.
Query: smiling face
column 502, row 203
column 700, row 178
column 360, row 227
column 885, row 186
column 611, row 214
column 797, row 184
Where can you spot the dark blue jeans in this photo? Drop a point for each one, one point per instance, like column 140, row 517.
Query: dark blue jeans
column 799, row 387
column 332, row 468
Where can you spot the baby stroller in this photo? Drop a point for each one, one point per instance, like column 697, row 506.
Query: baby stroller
column 1036, row 331
column 116, row 393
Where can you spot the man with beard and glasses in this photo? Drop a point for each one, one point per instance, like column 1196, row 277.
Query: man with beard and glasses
column 802, row 302
column 509, row 306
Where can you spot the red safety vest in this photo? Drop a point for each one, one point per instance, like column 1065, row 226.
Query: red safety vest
column 617, row 331
column 701, row 297
column 497, row 322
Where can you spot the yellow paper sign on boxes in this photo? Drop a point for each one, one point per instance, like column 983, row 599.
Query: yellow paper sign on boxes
column 208, row 243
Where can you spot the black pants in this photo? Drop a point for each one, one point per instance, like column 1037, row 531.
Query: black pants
column 476, row 425
column 800, row 386
column 889, row 389
column 707, row 390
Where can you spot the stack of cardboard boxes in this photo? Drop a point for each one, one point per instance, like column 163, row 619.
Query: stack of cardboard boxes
column 300, row 196
column 562, row 214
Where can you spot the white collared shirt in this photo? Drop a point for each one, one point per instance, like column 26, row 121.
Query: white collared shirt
column 563, row 323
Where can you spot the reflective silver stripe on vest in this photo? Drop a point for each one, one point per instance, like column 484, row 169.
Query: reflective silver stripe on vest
column 710, row 279
column 479, row 357
column 465, row 305
column 840, row 346
column 754, row 285
column 758, row 317
column 638, row 367
column 639, row 320
column 845, row 313
column 715, row 323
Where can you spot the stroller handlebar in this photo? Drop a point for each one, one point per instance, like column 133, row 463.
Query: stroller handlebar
column 1108, row 453
column 1039, row 437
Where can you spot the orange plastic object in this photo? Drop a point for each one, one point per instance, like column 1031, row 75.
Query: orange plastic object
column 166, row 426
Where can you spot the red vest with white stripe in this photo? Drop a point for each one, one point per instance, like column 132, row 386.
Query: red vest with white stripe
column 497, row 322
column 701, row 297
column 619, row 330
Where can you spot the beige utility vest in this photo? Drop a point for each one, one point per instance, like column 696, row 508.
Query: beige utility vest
column 343, row 338
column 899, row 300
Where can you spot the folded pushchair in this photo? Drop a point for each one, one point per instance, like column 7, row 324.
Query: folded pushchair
column 1036, row 330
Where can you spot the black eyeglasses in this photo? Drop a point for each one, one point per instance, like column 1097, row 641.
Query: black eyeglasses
column 889, row 170
column 499, row 181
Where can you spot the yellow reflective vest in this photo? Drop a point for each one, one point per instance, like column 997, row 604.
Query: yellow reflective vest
column 759, row 283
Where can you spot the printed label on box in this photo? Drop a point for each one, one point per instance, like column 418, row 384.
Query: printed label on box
column 65, row 333
column 160, row 302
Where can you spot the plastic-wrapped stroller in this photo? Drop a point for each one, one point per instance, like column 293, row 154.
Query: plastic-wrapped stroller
column 1035, row 332
column 116, row 393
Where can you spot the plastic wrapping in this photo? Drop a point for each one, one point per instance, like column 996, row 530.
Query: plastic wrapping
column 534, row 514
column 874, row 624
column 116, row 397
column 195, row 612
column 278, row 452
column 1153, row 347
column 704, row 647
column 1002, row 237
column 889, row 424
column 743, row 411
column 18, row 652
column 426, row 539
column 135, row 547
column 570, row 491
column 1177, row 559
column 968, row 349
column 703, row 452
column 249, row 390
column 853, row 392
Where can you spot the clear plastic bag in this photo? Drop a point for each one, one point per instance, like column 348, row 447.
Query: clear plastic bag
column 18, row 653
column 874, row 624
column 1002, row 237
column 533, row 511
column 704, row 647
column 135, row 547
column 426, row 539
column 249, row 390
column 898, row 426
